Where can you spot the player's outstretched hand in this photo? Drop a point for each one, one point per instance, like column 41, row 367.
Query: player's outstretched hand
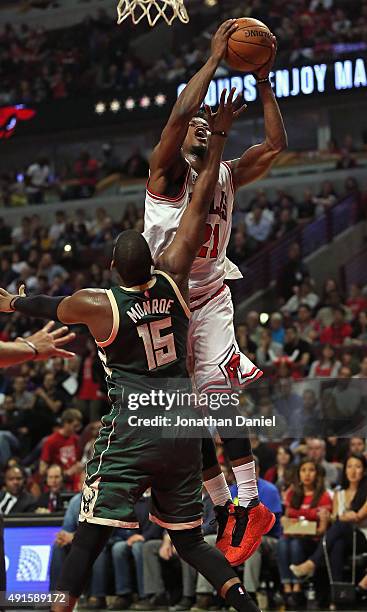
column 263, row 72
column 6, row 298
column 221, row 37
column 227, row 112
column 48, row 342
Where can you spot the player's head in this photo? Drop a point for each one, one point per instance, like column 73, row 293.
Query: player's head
column 198, row 134
column 132, row 258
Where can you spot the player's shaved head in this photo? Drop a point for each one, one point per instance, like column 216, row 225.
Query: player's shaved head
column 132, row 258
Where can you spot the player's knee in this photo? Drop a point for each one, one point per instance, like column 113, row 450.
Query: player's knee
column 92, row 537
column 188, row 542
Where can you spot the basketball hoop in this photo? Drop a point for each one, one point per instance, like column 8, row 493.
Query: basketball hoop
column 153, row 10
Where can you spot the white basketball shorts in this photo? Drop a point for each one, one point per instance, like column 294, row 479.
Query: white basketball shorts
column 214, row 357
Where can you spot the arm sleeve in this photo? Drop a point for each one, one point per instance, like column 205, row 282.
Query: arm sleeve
column 39, row 306
column 46, row 451
column 311, row 514
column 295, row 512
column 326, row 501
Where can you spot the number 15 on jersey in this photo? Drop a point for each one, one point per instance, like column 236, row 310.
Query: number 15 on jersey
column 159, row 350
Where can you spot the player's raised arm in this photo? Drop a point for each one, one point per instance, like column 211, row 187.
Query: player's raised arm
column 44, row 344
column 177, row 259
column 257, row 160
column 167, row 152
column 89, row 307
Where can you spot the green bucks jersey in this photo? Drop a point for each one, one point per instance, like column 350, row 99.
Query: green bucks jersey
column 148, row 337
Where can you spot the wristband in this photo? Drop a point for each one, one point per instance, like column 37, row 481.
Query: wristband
column 219, row 133
column 261, row 81
column 31, row 345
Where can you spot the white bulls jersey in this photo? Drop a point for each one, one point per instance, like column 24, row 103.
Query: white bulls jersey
column 162, row 218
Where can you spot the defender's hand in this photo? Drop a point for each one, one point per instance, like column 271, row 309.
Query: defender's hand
column 6, row 298
column 227, row 112
column 220, row 39
column 263, row 72
column 47, row 342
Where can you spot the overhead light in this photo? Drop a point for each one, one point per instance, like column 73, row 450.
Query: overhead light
column 115, row 106
column 100, row 108
column 145, row 102
column 130, row 104
column 264, row 318
column 211, row 2
column 67, row 248
column 160, row 99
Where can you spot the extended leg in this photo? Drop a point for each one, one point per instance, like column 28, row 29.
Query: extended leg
column 209, row 562
column 213, row 477
column 87, row 544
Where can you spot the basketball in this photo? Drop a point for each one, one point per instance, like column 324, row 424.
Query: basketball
column 249, row 47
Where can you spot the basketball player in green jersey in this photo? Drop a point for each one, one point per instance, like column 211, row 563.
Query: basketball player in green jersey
column 141, row 331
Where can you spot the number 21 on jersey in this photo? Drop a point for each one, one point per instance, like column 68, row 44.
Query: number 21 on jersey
column 211, row 241
column 160, row 350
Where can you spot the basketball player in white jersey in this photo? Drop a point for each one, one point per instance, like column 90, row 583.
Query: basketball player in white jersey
column 217, row 362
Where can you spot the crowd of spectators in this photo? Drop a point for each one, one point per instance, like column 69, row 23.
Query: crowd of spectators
column 266, row 220
column 270, row 219
column 45, row 181
column 320, row 478
column 313, row 353
column 312, row 350
column 40, row 182
column 92, row 57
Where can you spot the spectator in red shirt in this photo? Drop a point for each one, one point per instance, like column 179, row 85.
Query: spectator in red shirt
column 90, row 394
column 62, row 448
column 86, row 170
column 327, row 366
column 338, row 331
column 307, row 498
column 356, row 302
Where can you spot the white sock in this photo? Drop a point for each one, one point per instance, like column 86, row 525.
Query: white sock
column 218, row 490
column 245, row 476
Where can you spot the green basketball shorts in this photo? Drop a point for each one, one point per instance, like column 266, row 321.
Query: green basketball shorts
column 127, row 461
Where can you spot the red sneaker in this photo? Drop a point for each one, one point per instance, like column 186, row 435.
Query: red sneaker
column 251, row 524
column 226, row 520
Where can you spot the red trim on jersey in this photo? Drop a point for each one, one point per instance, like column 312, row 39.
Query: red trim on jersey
column 164, row 198
column 250, row 375
column 208, row 300
column 228, row 166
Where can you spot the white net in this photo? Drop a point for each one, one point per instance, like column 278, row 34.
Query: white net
column 153, row 10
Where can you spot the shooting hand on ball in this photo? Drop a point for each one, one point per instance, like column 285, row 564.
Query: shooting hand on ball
column 263, row 72
column 220, row 39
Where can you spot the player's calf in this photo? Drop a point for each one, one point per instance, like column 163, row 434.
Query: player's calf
column 87, row 544
column 209, row 562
